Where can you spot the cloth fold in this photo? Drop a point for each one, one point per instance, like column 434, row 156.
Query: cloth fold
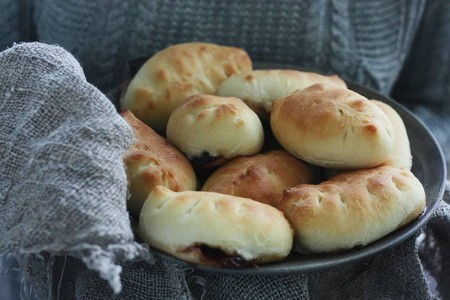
column 62, row 181
column 63, row 206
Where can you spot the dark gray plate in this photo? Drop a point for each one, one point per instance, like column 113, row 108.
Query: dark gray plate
column 428, row 166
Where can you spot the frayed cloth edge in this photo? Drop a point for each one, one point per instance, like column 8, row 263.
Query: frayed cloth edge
column 103, row 260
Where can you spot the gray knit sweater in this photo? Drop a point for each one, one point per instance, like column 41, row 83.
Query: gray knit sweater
column 367, row 41
column 396, row 47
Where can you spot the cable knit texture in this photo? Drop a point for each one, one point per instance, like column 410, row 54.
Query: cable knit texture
column 62, row 191
column 366, row 41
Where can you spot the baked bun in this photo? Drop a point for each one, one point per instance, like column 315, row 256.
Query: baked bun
column 259, row 88
column 221, row 127
column 401, row 154
column 352, row 209
column 153, row 161
column 176, row 73
column 214, row 229
column 334, row 128
column 262, row 177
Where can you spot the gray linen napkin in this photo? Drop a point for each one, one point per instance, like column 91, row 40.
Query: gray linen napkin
column 62, row 181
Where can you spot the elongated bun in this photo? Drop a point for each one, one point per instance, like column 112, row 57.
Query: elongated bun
column 262, row 177
column 153, row 161
column 176, row 73
column 214, row 229
column 334, row 128
column 352, row 209
column 222, row 127
column 259, row 88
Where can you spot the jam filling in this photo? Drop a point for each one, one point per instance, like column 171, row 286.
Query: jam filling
column 226, row 261
column 221, row 258
column 205, row 160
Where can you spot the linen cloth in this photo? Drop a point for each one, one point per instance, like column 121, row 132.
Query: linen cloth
column 63, row 186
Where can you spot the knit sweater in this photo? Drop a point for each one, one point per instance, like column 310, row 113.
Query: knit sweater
column 369, row 42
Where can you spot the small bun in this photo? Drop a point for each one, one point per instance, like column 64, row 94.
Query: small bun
column 222, row 127
column 352, row 209
column 334, row 128
column 153, row 161
column 176, row 73
column 214, row 229
column 259, row 88
column 262, row 177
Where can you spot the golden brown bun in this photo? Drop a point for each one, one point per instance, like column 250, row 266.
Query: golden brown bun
column 334, row 128
column 153, row 161
column 401, row 154
column 184, row 224
column 352, row 209
column 262, row 177
column 176, row 73
column 259, row 88
column 220, row 126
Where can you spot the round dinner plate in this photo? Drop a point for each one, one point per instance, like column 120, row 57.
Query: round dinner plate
column 428, row 166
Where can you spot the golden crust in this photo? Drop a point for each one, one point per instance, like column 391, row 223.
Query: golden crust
column 220, row 126
column 178, row 223
column 335, row 128
column 176, row 73
column 401, row 154
column 153, row 161
column 262, row 177
column 259, row 88
column 352, row 209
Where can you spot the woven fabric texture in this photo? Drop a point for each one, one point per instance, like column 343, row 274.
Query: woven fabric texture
column 61, row 140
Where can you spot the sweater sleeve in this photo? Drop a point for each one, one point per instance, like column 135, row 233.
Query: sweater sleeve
column 424, row 82
column 425, row 78
column 16, row 22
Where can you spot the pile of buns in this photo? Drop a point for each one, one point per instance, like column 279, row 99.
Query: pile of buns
column 259, row 163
